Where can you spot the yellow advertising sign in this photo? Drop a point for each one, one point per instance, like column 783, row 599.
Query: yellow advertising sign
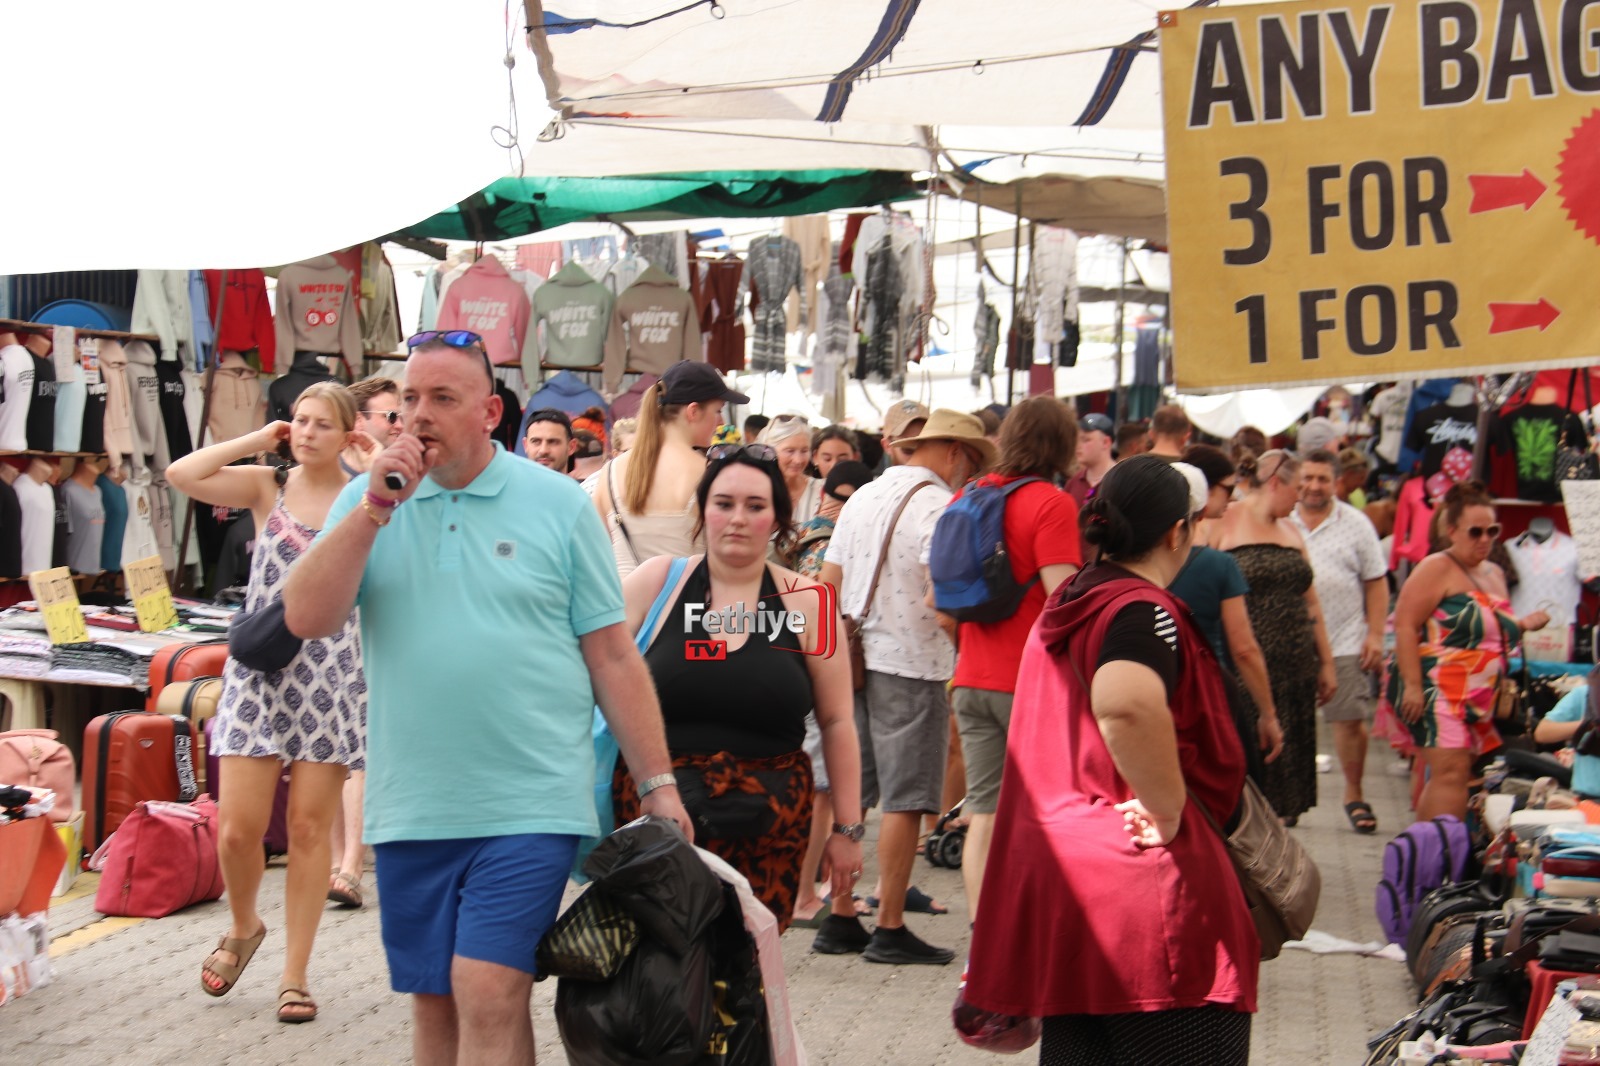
column 151, row 595
column 1372, row 190
column 57, row 598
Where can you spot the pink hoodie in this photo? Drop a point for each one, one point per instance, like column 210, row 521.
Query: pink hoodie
column 492, row 304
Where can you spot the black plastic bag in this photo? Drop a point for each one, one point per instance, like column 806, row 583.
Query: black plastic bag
column 651, row 870
column 741, row 1034
column 657, row 1011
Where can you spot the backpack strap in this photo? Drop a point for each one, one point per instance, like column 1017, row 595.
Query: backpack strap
column 883, row 555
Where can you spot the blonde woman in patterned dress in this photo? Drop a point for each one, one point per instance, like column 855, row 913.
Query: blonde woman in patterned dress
column 310, row 715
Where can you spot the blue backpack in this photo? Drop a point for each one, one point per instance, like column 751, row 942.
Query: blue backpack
column 968, row 561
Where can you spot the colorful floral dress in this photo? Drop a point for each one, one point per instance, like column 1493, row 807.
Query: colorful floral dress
column 1464, row 647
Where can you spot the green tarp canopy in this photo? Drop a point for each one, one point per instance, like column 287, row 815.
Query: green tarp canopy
column 516, row 207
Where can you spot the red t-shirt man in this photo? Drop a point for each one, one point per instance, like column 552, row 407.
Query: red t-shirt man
column 1041, row 529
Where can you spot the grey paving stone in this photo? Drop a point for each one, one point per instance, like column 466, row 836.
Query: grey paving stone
column 133, row 997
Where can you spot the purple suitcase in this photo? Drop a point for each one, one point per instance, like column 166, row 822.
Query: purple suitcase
column 276, row 842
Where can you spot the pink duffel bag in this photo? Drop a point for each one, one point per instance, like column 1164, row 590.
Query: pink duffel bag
column 35, row 758
column 161, row 859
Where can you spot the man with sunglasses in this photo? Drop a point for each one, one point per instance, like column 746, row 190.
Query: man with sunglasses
column 492, row 623
column 1349, row 572
column 377, row 415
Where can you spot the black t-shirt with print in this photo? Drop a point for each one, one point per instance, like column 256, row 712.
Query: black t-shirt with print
column 1532, row 435
column 1146, row 634
column 1436, row 430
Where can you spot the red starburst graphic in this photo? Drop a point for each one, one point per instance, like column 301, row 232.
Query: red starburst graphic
column 1578, row 176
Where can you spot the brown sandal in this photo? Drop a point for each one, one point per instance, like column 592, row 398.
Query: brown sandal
column 345, row 890
column 242, row 950
column 295, row 1000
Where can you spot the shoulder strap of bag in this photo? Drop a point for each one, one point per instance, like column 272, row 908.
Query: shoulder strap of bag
column 652, row 618
column 616, row 509
column 883, row 555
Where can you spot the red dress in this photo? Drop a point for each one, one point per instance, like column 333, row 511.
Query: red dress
column 1075, row 919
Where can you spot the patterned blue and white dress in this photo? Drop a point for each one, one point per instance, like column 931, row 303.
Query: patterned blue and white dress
column 313, row 710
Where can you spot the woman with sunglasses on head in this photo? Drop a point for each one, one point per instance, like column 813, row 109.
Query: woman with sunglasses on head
column 735, row 688
column 646, row 496
column 310, row 715
column 1286, row 618
column 790, row 436
column 1453, row 632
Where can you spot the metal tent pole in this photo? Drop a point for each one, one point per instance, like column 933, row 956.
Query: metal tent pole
column 1122, row 304
column 1016, row 283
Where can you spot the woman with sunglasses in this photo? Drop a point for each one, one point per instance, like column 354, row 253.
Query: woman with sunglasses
column 1453, row 632
column 646, row 496
column 1286, row 618
column 735, row 689
column 790, row 435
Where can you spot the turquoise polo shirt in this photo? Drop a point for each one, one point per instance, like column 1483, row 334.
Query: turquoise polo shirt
column 479, row 704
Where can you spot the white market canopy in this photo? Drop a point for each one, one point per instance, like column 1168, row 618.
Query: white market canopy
column 221, row 134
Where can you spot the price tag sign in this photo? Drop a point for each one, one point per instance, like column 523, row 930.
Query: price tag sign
column 89, row 357
column 151, row 595
column 63, row 349
column 58, row 602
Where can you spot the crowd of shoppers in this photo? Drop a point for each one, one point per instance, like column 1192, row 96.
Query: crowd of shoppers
column 1183, row 612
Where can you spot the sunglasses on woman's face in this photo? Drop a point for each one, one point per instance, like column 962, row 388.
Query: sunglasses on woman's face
column 761, row 453
column 1479, row 532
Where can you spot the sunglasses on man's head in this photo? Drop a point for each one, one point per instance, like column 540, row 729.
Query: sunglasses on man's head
column 761, row 453
column 390, row 417
column 459, row 339
column 1479, row 532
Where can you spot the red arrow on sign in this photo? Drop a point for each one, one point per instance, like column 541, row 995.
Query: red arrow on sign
column 1491, row 192
column 1508, row 317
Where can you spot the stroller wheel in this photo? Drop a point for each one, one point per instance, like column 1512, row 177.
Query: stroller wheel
column 931, row 846
column 949, row 850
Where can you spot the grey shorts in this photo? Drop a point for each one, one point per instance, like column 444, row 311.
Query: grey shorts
column 1353, row 701
column 984, row 718
column 813, row 747
column 904, row 725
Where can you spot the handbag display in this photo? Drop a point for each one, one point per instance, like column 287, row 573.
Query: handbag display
column 853, row 624
column 161, row 859
column 1572, row 462
column 34, row 758
column 1281, row 882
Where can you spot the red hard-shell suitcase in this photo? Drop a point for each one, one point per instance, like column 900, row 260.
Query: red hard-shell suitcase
column 276, row 842
column 185, row 662
column 128, row 757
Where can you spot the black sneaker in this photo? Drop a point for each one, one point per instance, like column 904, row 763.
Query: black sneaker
column 902, row 947
column 839, row 935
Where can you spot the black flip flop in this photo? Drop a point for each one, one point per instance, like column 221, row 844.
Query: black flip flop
column 1362, row 820
column 917, row 901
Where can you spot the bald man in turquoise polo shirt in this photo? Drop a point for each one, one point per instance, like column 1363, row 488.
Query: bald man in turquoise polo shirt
column 491, row 623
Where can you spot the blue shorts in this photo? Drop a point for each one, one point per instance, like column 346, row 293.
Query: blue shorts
column 485, row 898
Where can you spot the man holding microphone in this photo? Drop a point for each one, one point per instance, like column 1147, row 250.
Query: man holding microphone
column 492, row 620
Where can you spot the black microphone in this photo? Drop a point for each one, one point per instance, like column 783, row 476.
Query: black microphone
column 395, row 480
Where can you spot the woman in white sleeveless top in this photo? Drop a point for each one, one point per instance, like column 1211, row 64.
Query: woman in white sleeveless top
column 646, row 496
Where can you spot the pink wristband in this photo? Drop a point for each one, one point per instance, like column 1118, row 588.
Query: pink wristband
column 378, row 501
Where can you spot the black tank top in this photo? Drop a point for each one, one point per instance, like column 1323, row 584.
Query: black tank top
column 752, row 702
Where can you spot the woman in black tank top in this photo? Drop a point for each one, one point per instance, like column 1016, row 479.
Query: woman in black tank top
column 739, row 659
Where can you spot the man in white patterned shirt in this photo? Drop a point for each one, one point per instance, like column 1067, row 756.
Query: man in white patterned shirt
column 1349, row 571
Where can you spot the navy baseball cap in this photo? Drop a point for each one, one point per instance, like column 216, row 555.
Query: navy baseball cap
column 1097, row 423
column 691, row 382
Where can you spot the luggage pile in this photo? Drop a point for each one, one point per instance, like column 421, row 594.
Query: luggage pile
column 1494, row 914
